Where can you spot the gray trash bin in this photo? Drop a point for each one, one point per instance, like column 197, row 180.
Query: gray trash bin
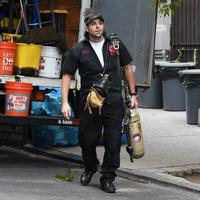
column 191, row 82
column 173, row 90
column 151, row 97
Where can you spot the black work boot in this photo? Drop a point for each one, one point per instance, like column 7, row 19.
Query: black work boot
column 107, row 186
column 86, row 177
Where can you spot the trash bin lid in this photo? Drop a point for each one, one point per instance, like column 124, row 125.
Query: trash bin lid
column 190, row 71
column 174, row 64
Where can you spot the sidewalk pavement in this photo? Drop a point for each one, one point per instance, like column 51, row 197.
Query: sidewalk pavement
column 171, row 145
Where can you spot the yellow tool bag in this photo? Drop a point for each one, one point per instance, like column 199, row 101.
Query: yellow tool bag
column 98, row 93
column 94, row 100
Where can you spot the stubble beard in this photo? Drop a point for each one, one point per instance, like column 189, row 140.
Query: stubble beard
column 96, row 37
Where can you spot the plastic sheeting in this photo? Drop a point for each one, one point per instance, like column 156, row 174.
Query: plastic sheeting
column 46, row 136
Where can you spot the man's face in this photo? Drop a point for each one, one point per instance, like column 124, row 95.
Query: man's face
column 95, row 28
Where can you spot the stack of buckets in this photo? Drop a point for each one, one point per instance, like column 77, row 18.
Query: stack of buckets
column 17, row 93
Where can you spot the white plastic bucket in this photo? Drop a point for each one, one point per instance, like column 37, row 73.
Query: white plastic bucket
column 50, row 62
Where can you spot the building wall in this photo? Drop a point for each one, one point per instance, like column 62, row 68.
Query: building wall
column 185, row 32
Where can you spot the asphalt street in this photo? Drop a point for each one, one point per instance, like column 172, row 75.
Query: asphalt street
column 32, row 177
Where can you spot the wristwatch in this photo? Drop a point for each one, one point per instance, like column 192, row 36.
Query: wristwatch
column 133, row 94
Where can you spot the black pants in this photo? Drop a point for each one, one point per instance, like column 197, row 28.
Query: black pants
column 91, row 128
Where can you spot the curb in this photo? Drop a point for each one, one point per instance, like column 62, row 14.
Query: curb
column 144, row 176
column 159, row 177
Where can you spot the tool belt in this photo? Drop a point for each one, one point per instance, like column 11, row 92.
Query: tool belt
column 98, row 93
column 94, row 100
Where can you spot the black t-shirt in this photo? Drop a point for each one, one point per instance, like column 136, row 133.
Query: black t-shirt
column 83, row 58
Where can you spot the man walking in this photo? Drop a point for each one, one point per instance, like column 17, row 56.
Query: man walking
column 94, row 57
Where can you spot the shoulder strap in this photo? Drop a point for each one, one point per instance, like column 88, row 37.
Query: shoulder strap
column 114, row 38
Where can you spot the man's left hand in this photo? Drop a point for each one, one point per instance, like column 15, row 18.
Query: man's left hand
column 134, row 101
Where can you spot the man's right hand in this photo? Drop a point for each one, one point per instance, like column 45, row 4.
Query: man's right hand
column 66, row 110
column 65, row 85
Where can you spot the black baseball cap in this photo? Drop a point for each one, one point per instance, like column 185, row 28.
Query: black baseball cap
column 92, row 16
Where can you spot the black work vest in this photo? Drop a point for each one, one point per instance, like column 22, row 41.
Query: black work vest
column 83, row 57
